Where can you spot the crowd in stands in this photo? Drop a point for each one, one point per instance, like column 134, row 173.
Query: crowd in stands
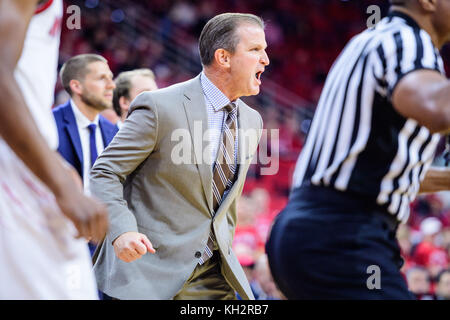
column 425, row 246
column 304, row 38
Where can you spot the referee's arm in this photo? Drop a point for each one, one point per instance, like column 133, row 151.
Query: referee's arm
column 424, row 96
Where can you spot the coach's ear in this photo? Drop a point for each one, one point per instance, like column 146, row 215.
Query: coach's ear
column 124, row 103
column 222, row 58
column 76, row 87
column 428, row 5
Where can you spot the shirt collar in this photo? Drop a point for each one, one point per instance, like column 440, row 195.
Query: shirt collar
column 215, row 97
column 82, row 120
column 408, row 19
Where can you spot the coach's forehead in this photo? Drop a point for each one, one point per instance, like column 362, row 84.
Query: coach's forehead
column 98, row 67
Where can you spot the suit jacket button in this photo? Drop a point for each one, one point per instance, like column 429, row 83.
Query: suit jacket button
column 198, row 254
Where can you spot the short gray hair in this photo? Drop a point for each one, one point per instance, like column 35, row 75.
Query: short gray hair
column 76, row 68
column 220, row 33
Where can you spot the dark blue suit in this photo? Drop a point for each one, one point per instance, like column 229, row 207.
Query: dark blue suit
column 69, row 138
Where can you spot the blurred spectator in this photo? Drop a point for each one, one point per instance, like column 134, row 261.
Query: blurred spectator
column 443, row 285
column 428, row 253
column 260, row 198
column 418, row 279
column 246, row 257
column 426, row 205
column 445, row 234
column 264, row 285
column 128, row 85
column 246, row 235
column 404, row 241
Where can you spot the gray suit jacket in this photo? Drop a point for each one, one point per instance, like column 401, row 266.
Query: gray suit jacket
column 154, row 179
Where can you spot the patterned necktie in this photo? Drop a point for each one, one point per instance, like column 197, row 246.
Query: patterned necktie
column 92, row 143
column 224, row 169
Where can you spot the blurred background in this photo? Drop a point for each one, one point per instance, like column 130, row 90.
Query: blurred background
column 304, row 38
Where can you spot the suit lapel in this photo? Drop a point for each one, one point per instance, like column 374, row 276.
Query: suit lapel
column 243, row 126
column 72, row 129
column 195, row 108
column 107, row 132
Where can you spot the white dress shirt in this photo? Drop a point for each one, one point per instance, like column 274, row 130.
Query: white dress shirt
column 83, row 131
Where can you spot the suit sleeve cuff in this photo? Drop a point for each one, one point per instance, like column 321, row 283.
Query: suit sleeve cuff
column 120, row 226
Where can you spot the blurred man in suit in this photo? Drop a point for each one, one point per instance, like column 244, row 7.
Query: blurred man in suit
column 83, row 132
column 128, row 85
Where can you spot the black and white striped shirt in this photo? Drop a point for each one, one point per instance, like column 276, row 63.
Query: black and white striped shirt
column 357, row 141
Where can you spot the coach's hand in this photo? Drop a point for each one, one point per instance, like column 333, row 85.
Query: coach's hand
column 130, row 246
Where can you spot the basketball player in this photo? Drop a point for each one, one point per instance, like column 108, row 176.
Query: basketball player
column 43, row 212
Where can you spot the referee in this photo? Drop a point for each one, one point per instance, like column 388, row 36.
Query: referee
column 383, row 109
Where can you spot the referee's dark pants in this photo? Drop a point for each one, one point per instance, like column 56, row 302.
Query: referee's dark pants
column 327, row 244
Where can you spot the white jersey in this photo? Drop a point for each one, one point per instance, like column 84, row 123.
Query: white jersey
column 39, row 255
column 36, row 70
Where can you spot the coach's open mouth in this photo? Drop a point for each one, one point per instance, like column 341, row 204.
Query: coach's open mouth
column 258, row 76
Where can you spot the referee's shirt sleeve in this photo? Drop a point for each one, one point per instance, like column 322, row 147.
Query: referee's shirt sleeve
column 401, row 52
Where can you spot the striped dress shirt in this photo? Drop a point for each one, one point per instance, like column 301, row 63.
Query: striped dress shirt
column 215, row 102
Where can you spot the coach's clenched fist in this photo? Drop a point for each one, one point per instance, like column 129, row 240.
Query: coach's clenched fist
column 131, row 246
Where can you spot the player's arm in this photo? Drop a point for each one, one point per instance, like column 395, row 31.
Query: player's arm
column 20, row 132
column 424, row 96
column 436, row 179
